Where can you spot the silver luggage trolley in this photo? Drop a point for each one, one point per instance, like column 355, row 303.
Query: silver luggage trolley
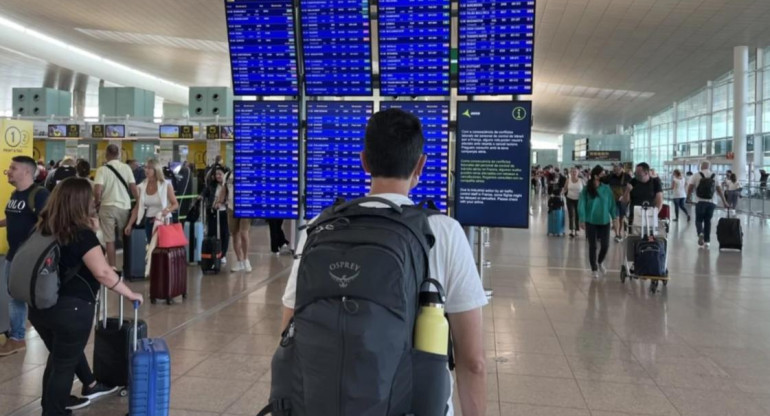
column 641, row 232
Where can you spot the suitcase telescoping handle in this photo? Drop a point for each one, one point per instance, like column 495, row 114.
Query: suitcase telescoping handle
column 103, row 308
column 136, row 324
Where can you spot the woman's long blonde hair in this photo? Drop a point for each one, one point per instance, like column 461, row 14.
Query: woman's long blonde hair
column 155, row 165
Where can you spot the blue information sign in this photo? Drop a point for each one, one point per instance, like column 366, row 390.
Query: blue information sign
column 266, row 159
column 335, row 138
column 492, row 167
column 496, row 46
column 263, row 53
column 414, row 47
column 434, row 116
column 336, row 47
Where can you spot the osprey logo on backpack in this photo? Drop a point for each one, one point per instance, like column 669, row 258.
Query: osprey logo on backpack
column 344, row 272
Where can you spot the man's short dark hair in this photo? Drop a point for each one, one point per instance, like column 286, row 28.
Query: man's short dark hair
column 393, row 144
column 644, row 166
column 26, row 160
column 113, row 151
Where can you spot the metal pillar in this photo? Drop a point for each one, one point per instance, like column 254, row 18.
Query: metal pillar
column 476, row 239
column 759, row 149
column 740, row 108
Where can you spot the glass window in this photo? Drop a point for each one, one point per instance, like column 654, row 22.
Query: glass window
column 719, row 125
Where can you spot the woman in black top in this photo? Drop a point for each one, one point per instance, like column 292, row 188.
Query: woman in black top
column 70, row 216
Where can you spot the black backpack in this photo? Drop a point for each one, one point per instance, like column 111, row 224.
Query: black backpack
column 349, row 348
column 707, row 187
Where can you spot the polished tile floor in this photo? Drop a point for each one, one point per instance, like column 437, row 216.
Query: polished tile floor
column 557, row 341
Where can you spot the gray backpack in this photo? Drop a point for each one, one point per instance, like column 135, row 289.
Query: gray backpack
column 35, row 276
column 349, row 348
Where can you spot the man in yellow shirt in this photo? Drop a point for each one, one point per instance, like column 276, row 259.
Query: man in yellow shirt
column 114, row 186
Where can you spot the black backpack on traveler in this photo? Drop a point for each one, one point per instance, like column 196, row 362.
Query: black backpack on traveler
column 349, row 348
column 707, row 186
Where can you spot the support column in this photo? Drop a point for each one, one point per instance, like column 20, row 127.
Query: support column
column 759, row 149
column 740, row 108
column 710, row 117
column 648, row 139
column 673, row 144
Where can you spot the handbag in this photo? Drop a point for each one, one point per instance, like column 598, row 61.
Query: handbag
column 171, row 236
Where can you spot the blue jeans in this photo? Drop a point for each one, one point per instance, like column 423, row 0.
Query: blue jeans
column 704, row 211
column 679, row 204
column 17, row 310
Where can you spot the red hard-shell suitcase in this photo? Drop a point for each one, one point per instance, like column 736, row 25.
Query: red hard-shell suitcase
column 168, row 274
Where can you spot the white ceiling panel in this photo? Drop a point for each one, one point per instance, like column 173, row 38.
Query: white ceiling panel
column 598, row 63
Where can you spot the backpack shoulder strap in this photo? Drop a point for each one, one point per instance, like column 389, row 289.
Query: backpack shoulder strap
column 702, row 175
column 120, row 178
column 31, row 198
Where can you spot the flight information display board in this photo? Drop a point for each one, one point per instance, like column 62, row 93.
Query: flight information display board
column 414, row 47
column 434, row 116
column 492, row 166
column 336, row 47
column 263, row 54
column 266, row 159
column 496, row 46
column 335, row 138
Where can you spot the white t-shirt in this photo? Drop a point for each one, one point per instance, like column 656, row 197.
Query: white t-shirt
column 153, row 204
column 230, row 181
column 680, row 188
column 574, row 189
column 732, row 186
column 696, row 180
column 451, row 263
column 113, row 192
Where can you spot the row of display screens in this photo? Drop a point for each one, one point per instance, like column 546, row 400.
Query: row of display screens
column 496, row 44
column 267, row 155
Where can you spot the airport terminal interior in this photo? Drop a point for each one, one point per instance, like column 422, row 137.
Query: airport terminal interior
column 519, row 101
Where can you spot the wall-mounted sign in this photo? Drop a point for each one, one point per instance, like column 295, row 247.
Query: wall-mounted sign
column 63, row 130
column 212, row 132
column 168, row 131
column 603, row 155
column 109, row 131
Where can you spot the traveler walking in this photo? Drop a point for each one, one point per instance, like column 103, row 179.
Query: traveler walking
column 618, row 180
column 597, row 210
column 679, row 194
column 732, row 191
column 156, row 198
column 70, row 218
column 572, row 193
column 642, row 189
column 21, row 214
column 215, row 196
column 239, row 228
column 393, row 155
column 705, row 187
column 114, row 188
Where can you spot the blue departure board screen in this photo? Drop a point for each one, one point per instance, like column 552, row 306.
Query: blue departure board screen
column 335, row 138
column 336, row 47
column 263, row 53
column 496, row 46
column 414, row 47
column 266, row 159
column 434, row 182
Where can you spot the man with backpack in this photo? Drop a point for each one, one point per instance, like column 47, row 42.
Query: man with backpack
column 643, row 189
column 21, row 214
column 114, row 187
column 351, row 299
column 705, row 187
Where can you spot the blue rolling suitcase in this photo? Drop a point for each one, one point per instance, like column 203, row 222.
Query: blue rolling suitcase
column 556, row 222
column 195, row 242
column 134, row 253
column 150, row 376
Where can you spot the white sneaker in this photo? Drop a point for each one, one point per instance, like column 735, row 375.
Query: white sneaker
column 706, row 245
column 595, row 274
column 224, row 261
column 247, row 265
column 701, row 239
column 285, row 249
column 237, row 267
column 602, row 269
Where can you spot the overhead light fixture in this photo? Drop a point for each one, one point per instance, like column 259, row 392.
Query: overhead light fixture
column 82, row 52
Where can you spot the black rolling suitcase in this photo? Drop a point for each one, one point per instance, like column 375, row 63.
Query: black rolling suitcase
column 211, row 251
column 134, row 253
column 730, row 233
column 113, row 339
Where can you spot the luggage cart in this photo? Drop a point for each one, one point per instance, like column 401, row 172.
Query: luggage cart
column 642, row 231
